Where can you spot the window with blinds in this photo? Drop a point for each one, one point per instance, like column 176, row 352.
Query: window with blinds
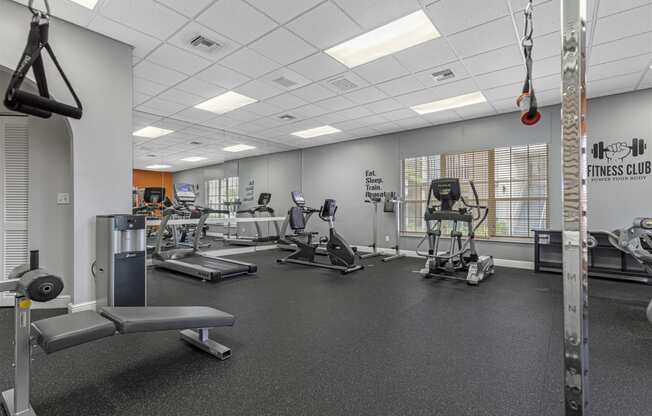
column 219, row 191
column 511, row 181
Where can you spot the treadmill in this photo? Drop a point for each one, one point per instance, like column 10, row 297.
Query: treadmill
column 260, row 238
column 191, row 261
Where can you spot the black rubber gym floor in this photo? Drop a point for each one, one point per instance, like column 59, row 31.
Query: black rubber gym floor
column 382, row 341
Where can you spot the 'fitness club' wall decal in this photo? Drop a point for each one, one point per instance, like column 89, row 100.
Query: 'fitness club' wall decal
column 374, row 185
column 619, row 161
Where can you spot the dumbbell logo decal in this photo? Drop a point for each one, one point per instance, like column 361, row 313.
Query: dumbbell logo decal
column 618, row 150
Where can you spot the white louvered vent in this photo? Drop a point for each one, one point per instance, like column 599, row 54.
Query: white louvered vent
column 15, row 193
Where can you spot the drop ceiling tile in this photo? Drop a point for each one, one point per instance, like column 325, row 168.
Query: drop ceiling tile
column 452, row 16
column 324, row 26
column 546, row 19
column 427, row 79
column 618, row 26
column 249, row 127
column 493, row 61
column 313, row 92
column 373, row 13
column 475, row 111
column 140, row 117
column 222, row 76
column 637, row 64
column 412, row 123
column 504, row 92
column 646, row 82
column 607, row 8
column 249, row 62
column 171, row 124
column 181, row 97
column 400, row 114
column 318, row 67
column 366, row 95
column 401, row 86
column 243, row 115
column 157, row 73
column 417, row 97
column 336, row 103
column 194, row 115
column 237, row 20
column 435, row 52
column 286, row 101
column 546, row 66
column 188, row 8
column 270, row 122
column 453, row 89
column 140, row 98
column 502, row 77
column 614, row 85
column 283, row 10
column 505, row 105
column 142, row 43
column 309, row 111
column 178, row 59
column 160, row 107
column 381, row 70
column 348, row 114
column 549, row 97
column 145, row 86
column 620, row 49
column 183, row 38
column 373, row 119
column 145, row 16
column 281, row 76
column 386, row 128
column 259, row 90
column 263, row 109
column 283, row 46
column 198, row 87
column 384, row 106
column 221, row 122
column 483, row 38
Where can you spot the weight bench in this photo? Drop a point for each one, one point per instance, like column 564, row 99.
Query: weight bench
column 65, row 331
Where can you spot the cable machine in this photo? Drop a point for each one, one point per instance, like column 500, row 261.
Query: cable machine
column 574, row 206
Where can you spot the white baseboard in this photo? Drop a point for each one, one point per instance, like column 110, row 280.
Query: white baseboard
column 79, row 307
column 58, row 303
column 515, row 264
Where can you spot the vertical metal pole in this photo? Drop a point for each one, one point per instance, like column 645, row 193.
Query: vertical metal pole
column 573, row 136
column 22, row 356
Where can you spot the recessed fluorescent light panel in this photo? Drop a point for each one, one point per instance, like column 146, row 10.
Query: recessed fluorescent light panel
column 159, row 166
column 400, row 34
column 89, row 4
column 238, row 148
column 317, row 131
column 226, row 102
column 152, row 132
column 450, row 103
column 193, row 159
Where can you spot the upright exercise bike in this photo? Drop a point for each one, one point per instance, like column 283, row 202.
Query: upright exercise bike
column 461, row 261
column 341, row 255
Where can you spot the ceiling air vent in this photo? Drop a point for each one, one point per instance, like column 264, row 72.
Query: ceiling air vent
column 285, row 82
column 195, row 143
column 287, row 117
column 150, row 156
column 205, row 44
column 343, row 84
column 443, row 75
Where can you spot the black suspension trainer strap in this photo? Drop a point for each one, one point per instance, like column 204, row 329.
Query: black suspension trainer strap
column 41, row 105
column 527, row 101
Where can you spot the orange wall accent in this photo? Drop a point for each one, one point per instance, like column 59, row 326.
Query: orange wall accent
column 146, row 178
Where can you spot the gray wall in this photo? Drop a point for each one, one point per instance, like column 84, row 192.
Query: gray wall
column 100, row 70
column 337, row 170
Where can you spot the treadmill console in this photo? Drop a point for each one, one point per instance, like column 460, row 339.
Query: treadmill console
column 154, row 195
column 298, row 198
column 184, row 193
column 264, row 198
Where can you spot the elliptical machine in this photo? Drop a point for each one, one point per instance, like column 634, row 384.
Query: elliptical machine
column 461, row 257
column 341, row 255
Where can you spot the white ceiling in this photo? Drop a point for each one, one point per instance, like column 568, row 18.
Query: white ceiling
column 264, row 40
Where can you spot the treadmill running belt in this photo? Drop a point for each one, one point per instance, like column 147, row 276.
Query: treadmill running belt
column 207, row 268
column 217, row 265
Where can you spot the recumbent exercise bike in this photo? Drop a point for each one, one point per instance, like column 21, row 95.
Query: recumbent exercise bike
column 461, row 261
column 341, row 255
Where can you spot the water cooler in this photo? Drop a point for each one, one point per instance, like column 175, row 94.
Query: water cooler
column 120, row 266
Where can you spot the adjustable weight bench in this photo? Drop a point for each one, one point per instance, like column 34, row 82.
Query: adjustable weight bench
column 31, row 284
column 65, row 331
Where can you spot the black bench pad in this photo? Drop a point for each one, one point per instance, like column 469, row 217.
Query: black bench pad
column 64, row 331
column 165, row 318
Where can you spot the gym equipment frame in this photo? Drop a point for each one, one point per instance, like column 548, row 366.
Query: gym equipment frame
column 574, row 206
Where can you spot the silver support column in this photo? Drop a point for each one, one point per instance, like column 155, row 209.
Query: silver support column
column 573, row 136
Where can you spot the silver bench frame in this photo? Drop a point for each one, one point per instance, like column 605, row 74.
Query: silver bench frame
column 16, row 401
